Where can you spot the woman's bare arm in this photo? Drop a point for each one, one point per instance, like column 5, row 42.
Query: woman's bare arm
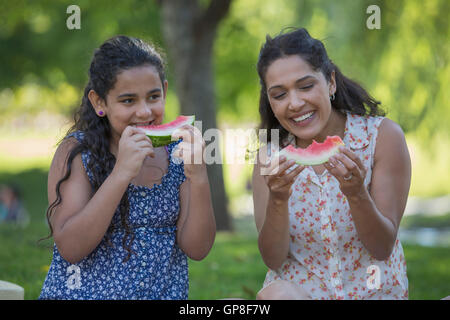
column 270, row 200
column 377, row 212
column 377, row 216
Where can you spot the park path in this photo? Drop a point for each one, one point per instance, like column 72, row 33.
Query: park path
column 428, row 206
column 243, row 205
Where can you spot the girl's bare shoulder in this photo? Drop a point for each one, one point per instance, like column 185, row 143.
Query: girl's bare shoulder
column 59, row 165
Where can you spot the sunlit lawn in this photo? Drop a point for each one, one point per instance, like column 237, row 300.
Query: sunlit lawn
column 232, row 269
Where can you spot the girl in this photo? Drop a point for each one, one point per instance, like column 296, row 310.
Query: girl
column 123, row 214
column 328, row 231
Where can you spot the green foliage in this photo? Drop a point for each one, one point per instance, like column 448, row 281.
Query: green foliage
column 405, row 64
column 430, row 163
column 38, row 41
column 45, row 65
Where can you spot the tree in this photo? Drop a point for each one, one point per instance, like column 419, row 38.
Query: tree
column 44, row 63
column 189, row 28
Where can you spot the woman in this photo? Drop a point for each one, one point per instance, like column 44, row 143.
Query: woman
column 328, row 231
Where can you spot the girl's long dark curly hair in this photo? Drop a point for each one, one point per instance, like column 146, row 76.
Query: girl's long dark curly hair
column 349, row 97
column 115, row 55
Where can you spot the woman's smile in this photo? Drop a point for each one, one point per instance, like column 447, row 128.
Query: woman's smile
column 299, row 97
column 303, row 119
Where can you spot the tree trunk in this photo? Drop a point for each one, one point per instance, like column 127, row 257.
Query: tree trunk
column 189, row 33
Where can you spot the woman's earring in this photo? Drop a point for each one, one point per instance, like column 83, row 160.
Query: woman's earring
column 332, row 97
column 100, row 113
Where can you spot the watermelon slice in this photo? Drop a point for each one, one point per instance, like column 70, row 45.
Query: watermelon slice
column 314, row 154
column 161, row 135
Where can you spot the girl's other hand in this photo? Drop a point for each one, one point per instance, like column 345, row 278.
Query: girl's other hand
column 134, row 146
column 190, row 150
column 280, row 178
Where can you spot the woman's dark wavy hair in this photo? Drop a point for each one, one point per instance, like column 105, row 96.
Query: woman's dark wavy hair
column 349, row 97
column 114, row 56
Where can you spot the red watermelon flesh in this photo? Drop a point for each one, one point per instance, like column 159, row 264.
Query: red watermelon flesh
column 314, row 154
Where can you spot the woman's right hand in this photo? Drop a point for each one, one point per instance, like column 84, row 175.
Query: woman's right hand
column 280, row 178
column 134, row 146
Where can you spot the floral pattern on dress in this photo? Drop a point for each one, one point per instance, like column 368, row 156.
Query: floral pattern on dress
column 158, row 269
column 326, row 256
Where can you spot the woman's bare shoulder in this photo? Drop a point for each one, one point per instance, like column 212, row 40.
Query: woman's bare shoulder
column 390, row 141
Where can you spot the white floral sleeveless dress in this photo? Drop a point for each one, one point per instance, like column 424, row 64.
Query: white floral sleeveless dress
column 326, row 257
column 158, row 268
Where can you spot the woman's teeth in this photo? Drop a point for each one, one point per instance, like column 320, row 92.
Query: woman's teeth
column 304, row 117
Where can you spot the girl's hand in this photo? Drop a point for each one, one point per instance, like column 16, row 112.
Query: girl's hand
column 349, row 170
column 279, row 180
column 190, row 150
column 134, row 146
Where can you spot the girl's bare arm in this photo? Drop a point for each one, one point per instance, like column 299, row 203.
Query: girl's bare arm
column 80, row 221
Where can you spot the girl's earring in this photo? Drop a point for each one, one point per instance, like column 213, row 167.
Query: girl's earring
column 100, row 113
column 332, row 97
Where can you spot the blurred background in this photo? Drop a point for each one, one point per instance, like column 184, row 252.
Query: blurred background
column 43, row 71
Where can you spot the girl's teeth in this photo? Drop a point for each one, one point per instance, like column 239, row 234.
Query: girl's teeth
column 305, row 116
column 143, row 124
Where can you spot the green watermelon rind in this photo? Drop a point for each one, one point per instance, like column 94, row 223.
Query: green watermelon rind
column 164, row 140
column 160, row 141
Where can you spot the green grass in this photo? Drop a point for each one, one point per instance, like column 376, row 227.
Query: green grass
column 441, row 221
column 22, row 261
column 428, row 271
column 232, row 269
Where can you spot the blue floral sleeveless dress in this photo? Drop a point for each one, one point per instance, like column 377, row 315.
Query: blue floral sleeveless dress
column 158, row 269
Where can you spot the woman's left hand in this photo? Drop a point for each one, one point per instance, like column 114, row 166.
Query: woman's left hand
column 349, row 170
column 190, row 150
